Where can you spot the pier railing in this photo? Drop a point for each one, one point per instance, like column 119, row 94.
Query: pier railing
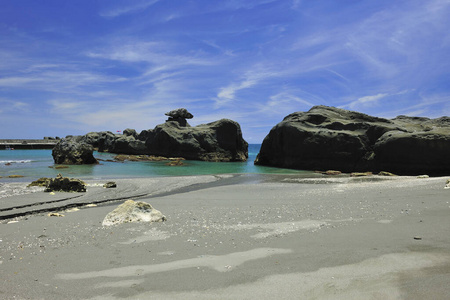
column 10, row 144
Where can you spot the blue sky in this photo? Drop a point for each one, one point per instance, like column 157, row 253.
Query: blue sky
column 71, row 67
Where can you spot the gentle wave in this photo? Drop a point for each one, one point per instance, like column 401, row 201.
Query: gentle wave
column 15, row 161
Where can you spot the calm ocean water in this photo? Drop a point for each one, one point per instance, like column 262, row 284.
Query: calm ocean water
column 34, row 164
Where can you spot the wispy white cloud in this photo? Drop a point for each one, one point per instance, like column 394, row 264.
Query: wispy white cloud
column 9, row 106
column 367, row 101
column 126, row 7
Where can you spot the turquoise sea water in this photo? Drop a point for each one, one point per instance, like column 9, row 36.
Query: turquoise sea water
column 34, row 164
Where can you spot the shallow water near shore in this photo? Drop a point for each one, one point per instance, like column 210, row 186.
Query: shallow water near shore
column 33, row 164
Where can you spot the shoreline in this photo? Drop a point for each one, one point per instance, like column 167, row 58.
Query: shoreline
column 241, row 236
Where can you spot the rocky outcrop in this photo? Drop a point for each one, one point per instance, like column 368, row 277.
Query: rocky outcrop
column 73, row 151
column 217, row 141
column 179, row 115
column 43, row 181
column 65, row 184
column 133, row 211
column 333, row 138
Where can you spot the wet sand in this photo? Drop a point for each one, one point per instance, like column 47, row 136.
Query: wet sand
column 233, row 237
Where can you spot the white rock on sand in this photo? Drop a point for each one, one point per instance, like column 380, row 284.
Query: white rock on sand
column 132, row 211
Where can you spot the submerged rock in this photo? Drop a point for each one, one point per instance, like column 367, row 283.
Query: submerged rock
column 333, row 138
column 65, row 184
column 133, row 211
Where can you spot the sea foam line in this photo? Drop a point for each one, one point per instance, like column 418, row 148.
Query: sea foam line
column 15, row 161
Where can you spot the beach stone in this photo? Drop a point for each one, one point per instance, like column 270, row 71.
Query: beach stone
column 43, row 181
column 384, row 173
column 447, row 184
column 73, row 152
column 65, row 184
column 55, row 214
column 423, row 176
column 110, row 184
column 133, row 211
column 333, row 138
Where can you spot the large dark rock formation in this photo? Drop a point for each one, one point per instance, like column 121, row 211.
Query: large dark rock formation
column 217, row 141
column 73, row 151
column 332, row 138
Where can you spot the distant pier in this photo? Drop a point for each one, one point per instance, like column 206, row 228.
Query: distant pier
column 11, row 144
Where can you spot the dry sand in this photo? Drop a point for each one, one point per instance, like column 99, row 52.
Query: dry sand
column 233, row 237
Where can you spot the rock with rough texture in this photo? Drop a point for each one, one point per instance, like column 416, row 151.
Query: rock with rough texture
column 43, row 181
column 106, row 141
column 133, row 211
column 217, row 141
column 447, row 184
column 130, row 132
column 109, row 185
column 333, row 138
column 128, row 145
column 65, row 184
column 71, row 151
column 179, row 113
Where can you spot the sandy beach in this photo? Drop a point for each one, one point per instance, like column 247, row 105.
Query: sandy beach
column 232, row 237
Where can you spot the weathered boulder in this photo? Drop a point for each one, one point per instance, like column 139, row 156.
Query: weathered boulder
column 127, row 145
column 179, row 115
column 109, row 185
column 43, row 181
column 333, row 138
column 71, row 151
column 130, row 132
column 65, row 184
column 106, row 141
column 133, row 211
column 217, row 141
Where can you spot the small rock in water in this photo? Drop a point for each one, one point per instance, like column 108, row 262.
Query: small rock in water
column 360, row 174
column 423, row 176
column 332, row 172
column 133, row 211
